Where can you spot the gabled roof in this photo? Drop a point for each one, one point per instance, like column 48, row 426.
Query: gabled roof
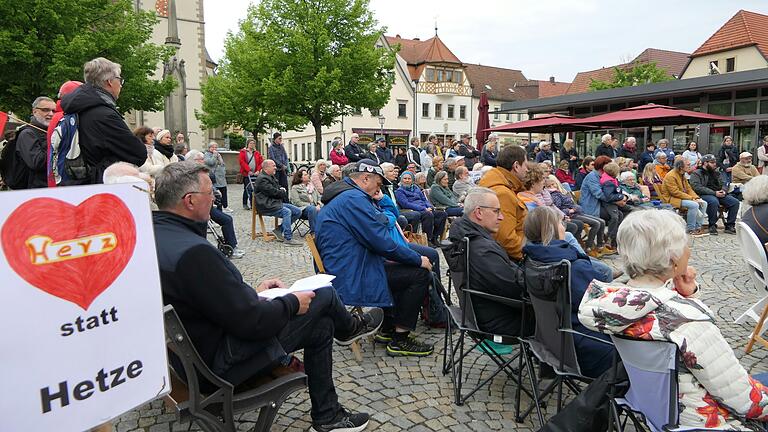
column 417, row 53
column 742, row 30
column 499, row 83
column 552, row 88
column 671, row 61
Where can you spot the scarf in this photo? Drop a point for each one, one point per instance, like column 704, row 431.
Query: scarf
column 166, row 150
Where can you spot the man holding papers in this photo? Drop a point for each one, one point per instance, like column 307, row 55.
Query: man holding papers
column 239, row 334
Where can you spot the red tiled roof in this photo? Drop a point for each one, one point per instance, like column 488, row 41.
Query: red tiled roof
column 552, row 89
column 496, row 82
column 416, row 52
column 743, row 29
column 671, row 61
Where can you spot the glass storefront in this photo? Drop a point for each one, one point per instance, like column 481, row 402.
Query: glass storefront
column 744, row 136
column 681, row 137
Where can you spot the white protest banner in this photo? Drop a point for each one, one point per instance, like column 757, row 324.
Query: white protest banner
column 81, row 311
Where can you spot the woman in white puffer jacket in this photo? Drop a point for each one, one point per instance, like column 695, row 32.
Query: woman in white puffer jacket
column 658, row 303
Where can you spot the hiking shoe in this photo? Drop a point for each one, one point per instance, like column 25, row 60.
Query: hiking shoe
column 408, row 347
column 278, row 234
column 712, row 230
column 594, row 253
column 607, row 250
column 367, row 323
column 237, row 253
column 293, row 242
column 345, row 421
column 383, row 337
column 730, row 230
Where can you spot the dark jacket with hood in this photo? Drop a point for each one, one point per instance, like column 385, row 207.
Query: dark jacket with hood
column 706, row 182
column 32, row 147
column 104, row 136
column 491, row 271
column 269, row 196
column 731, row 154
column 226, row 319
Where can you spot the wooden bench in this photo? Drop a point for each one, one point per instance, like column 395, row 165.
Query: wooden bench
column 215, row 411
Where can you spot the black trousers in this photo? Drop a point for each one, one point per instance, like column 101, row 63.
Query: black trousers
column 408, row 286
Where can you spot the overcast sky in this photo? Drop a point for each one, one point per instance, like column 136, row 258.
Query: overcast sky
column 542, row 38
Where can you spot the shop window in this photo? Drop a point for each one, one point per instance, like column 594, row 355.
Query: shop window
column 581, row 110
column 685, row 100
column 425, row 110
column 401, row 109
column 745, row 108
column 463, row 112
column 730, row 64
column 719, row 96
column 746, row 94
column 451, row 109
column 599, row 108
column 723, row 109
column 619, row 106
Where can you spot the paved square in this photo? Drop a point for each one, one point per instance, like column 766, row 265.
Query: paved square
column 412, row 394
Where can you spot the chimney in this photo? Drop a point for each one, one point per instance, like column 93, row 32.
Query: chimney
column 397, row 36
column 416, row 39
column 552, row 79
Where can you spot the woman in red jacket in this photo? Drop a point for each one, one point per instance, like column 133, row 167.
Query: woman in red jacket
column 250, row 165
column 338, row 157
column 564, row 175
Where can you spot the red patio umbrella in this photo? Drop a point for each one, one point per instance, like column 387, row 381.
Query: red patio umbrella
column 483, row 122
column 550, row 123
column 652, row 115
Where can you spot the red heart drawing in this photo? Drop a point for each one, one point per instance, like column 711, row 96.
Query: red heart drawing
column 79, row 277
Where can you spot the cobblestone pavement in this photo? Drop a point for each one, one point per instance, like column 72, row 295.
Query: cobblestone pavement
column 412, row 394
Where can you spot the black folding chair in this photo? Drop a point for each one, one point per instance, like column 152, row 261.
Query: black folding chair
column 549, row 290
column 463, row 319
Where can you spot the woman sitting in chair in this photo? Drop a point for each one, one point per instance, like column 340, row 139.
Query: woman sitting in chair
column 658, row 303
column 304, row 196
column 546, row 243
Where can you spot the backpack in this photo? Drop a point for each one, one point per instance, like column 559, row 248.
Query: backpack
column 433, row 310
column 65, row 160
column 12, row 168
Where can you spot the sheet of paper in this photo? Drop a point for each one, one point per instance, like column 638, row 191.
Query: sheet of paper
column 307, row 284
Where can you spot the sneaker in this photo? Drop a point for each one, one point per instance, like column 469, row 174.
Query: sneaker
column 383, row 337
column 408, row 347
column 293, row 242
column 594, row 253
column 227, row 210
column 607, row 250
column 730, row 230
column 278, row 234
column 696, row 233
column 345, row 421
column 712, row 230
column 368, row 323
column 237, row 253
column 246, row 207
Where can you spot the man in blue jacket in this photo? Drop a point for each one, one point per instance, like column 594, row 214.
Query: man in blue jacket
column 371, row 269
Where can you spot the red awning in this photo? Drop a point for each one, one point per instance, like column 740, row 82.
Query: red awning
column 550, row 123
column 652, row 115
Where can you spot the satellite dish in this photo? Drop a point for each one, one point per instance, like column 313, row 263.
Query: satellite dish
column 713, row 69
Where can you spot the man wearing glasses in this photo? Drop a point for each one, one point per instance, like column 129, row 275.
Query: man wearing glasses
column 31, row 144
column 104, row 136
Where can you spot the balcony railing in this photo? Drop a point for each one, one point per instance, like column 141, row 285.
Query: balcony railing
column 444, row 88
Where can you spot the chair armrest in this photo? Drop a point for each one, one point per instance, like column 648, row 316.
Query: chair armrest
column 596, row 339
column 516, row 303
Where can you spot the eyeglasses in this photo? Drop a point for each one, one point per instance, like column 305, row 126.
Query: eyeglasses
column 121, row 79
column 45, row 110
column 496, row 210
column 198, row 192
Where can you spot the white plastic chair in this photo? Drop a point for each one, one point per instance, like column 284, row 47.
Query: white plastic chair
column 754, row 254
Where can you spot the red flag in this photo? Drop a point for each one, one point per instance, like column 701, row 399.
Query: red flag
column 3, row 121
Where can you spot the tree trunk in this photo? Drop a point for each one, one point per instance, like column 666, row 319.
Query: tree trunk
column 318, row 139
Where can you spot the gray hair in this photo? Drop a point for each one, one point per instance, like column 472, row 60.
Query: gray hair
column 372, row 147
column 421, row 175
column 439, row 177
column 119, row 169
column 755, row 192
column 607, row 137
column 386, row 166
column 648, row 242
column 630, row 139
column 175, row 181
column 320, row 162
column 541, row 225
column 99, row 70
column 211, row 144
column 679, row 164
column 179, row 148
column 332, row 169
column 475, row 198
column 348, row 169
column 660, row 155
column 39, row 99
column 663, row 140
column 194, row 154
column 626, row 175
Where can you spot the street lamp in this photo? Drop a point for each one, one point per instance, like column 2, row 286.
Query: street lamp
column 381, row 124
column 445, row 131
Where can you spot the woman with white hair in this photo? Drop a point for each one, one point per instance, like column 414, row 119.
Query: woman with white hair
column 490, row 151
column 659, row 303
column 159, row 150
column 334, row 174
column 755, row 196
column 319, row 174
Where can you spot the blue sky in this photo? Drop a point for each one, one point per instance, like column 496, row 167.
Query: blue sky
column 542, row 38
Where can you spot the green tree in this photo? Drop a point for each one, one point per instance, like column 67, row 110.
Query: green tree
column 641, row 73
column 295, row 62
column 44, row 43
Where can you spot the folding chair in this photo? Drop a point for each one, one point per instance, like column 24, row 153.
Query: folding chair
column 754, row 255
column 549, row 291
column 463, row 319
column 298, row 225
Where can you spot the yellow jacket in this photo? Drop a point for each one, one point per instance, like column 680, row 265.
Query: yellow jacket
column 506, row 185
column 742, row 174
column 676, row 189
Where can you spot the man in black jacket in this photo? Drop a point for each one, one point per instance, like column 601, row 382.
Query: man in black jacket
column 707, row 183
column 353, row 151
column 104, row 136
column 491, row 269
column 240, row 335
column 270, row 201
column 468, row 151
column 605, row 148
column 31, row 144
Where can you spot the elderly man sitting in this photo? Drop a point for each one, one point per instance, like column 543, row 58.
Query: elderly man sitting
column 708, row 184
column 744, row 171
column 240, row 335
column 678, row 192
column 269, row 202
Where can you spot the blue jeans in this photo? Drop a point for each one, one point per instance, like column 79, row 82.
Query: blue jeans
column 310, row 213
column 695, row 218
column 227, row 226
column 288, row 213
column 731, row 205
column 604, row 273
column 454, row 211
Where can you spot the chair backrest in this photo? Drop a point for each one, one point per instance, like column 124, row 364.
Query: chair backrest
column 315, row 252
column 549, row 288
column 576, row 196
column 652, row 370
column 754, row 254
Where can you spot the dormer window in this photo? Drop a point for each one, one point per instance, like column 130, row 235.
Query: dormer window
column 435, row 74
column 488, row 87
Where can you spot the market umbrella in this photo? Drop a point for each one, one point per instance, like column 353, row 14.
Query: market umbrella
column 483, row 123
column 549, row 123
column 652, row 115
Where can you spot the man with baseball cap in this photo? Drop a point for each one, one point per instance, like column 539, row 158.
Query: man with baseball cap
column 371, row 269
column 744, row 171
column 707, row 183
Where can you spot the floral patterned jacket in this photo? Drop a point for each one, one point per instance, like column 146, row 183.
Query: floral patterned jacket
column 714, row 389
